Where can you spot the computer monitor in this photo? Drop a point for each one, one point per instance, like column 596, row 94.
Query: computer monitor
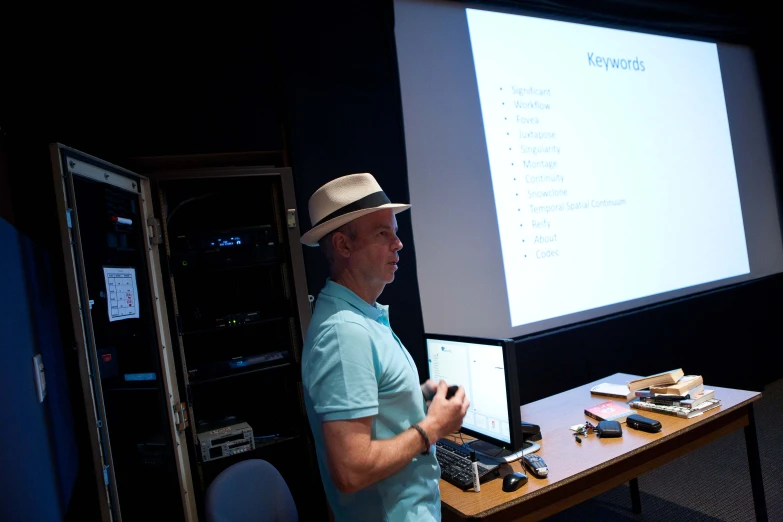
column 486, row 369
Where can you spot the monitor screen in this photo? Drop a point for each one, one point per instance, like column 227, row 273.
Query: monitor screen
column 484, row 369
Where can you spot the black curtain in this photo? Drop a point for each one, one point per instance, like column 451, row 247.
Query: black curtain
column 723, row 21
column 345, row 116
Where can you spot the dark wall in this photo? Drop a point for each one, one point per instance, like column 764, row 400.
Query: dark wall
column 138, row 91
column 343, row 100
column 729, row 336
column 6, row 205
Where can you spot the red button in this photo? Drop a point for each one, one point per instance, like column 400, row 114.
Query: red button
column 106, row 357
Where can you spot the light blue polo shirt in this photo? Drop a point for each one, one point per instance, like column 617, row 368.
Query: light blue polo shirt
column 354, row 366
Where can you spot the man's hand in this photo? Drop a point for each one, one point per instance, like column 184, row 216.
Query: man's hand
column 356, row 460
column 428, row 389
column 445, row 416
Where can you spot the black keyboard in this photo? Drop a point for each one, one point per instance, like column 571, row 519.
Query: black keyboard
column 455, row 465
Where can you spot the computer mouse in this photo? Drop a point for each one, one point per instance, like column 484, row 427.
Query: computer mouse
column 514, row 481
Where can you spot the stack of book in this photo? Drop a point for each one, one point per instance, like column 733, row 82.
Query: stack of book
column 673, row 393
column 670, row 393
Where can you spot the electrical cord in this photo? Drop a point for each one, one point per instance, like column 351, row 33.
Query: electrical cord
column 185, row 202
column 498, row 453
column 464, row 444
column 266, row 436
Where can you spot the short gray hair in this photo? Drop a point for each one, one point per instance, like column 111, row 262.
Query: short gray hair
column 349, row 229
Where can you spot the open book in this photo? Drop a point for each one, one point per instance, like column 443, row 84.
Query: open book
column 614, row 391
column 681, row 387
column 665, row 378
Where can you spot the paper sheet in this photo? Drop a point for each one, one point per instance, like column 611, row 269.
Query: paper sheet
column 122, row 295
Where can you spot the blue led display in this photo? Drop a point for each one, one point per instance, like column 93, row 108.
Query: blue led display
column 139, row 376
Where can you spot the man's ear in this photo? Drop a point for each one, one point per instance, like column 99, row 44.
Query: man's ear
column 341, row 244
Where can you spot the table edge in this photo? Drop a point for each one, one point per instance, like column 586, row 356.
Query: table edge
column 652, row 444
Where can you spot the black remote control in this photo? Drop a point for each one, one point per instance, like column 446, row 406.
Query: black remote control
column 451, row 392
column 536, row 465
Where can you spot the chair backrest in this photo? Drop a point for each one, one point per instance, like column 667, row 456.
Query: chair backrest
column 250, row 491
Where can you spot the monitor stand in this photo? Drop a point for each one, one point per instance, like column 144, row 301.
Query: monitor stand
column 492, row 452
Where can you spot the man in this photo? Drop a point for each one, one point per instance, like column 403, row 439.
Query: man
column 373, row 424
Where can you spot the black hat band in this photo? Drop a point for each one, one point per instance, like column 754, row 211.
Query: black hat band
column 376, row 199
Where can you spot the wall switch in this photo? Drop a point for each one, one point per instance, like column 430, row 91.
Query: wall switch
column 40, row 379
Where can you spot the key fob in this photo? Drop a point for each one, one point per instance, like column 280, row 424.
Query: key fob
column 536, row 465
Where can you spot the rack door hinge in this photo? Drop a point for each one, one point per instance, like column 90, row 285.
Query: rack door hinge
column 180, row 416
column 291, row 217
column 156, row 233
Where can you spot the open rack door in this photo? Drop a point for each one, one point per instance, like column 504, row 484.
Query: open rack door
column 238, row 303
column 137, row 423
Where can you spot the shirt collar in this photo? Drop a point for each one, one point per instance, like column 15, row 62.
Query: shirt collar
column 377, row 312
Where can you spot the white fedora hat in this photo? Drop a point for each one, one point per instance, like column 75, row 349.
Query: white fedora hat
column 342, row 200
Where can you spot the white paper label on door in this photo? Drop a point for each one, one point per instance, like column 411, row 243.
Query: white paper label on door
column 122, row 295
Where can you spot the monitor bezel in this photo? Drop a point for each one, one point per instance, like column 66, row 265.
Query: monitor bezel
column 508, row 346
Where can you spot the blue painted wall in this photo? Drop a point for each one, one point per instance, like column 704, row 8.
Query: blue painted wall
column 38, row 454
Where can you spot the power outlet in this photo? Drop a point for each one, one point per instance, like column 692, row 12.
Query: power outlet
column 40, row 378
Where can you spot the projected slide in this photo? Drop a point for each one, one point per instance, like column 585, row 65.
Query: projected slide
column 611, row 163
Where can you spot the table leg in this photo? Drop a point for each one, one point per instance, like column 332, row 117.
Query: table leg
column 636, row 501
column 754, row 463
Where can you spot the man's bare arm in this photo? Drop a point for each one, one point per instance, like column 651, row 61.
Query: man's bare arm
column 356, row 461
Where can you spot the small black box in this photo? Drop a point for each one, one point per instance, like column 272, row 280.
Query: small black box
column 609, row 429
column 641, row 423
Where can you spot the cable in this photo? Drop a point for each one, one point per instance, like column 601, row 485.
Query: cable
column 185, row 202
column 498, row 453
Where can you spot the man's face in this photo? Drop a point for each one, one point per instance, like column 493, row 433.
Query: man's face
column 374, row 252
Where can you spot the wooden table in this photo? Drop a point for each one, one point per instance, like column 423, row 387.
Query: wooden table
column 578, row 472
